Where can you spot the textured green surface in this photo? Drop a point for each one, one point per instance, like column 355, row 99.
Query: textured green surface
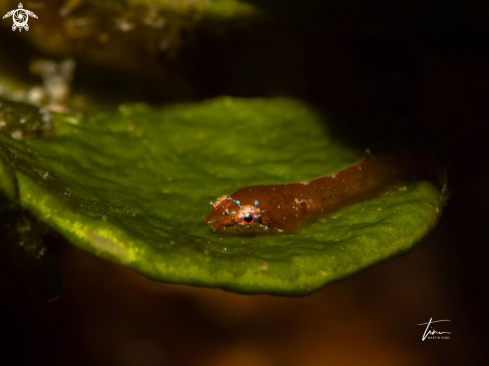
column 133, row 185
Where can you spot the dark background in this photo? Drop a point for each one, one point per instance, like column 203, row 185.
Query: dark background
column 428, row 63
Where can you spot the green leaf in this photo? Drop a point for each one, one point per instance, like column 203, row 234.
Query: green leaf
column 133, row 185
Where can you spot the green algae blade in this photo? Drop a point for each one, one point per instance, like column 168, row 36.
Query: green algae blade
column 133, row 184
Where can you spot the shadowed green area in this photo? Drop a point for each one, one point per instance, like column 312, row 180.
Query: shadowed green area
column 133, row 185
column 21, row 249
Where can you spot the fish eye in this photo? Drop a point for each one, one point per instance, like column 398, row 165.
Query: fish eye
column 248, row 218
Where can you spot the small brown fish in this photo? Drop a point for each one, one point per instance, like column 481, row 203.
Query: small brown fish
column 281, row 207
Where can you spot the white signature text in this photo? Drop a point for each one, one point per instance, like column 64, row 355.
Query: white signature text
column 432, row 332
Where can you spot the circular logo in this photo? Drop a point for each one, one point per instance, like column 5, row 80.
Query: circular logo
column 20, row 18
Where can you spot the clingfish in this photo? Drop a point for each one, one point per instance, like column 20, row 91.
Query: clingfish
column 281, row 207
